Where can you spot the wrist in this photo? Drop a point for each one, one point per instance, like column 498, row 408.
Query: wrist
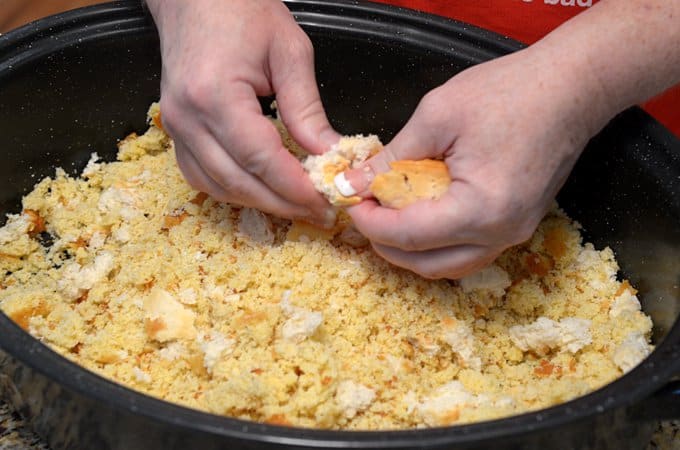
column 579, row 95
column 618, row 54
column 151, row 5
column 162, row 10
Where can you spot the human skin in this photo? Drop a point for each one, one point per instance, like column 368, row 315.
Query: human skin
column 509, row 130
column 218, row 56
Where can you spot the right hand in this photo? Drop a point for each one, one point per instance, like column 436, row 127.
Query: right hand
column 509, row 130
column 217, row 58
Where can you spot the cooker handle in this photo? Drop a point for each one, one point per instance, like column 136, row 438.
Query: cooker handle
column 664, row 404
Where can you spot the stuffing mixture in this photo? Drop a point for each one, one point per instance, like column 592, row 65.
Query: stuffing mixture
column 130, row 273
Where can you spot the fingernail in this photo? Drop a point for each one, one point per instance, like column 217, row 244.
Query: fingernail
column 330, row 217
column 327, row 219
column 354, row 181
column 343, row 185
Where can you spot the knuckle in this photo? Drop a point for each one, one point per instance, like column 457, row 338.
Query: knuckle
column 409, row 241
column 256, row 163
column 224, row 178
column 310, row 112
column 429, row 98
column 524, row 232
column 434, row 111
column 198, row 91
column 195, row 179
column 431, row 101
column 170, row 112
column 300, row 48
column 192, row 179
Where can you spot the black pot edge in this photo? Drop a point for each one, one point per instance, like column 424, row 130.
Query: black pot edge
column 662, row 365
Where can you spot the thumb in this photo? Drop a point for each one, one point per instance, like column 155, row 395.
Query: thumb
column 416, row 141
column 298, row 98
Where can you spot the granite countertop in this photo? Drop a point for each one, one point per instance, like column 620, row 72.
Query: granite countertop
column 16, row 435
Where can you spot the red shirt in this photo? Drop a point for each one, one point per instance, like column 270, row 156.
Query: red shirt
column 528, row 21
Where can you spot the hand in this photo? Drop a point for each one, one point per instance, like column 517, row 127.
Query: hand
column 509, row 131
column 218, row 57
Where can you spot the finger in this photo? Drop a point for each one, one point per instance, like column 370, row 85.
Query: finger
column 422, row 137
column 297, row 95
column 255, row 145
column 194, row 175
column 449, row 262
column 227, row 182
column 424, row 225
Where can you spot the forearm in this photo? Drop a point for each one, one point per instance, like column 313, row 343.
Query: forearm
column 618, row 53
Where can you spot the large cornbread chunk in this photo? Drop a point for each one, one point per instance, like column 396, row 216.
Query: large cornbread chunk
column 410, row 181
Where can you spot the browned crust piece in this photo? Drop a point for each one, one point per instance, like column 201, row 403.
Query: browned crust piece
column 410, row 181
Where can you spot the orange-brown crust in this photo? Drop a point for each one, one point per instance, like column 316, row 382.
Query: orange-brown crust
column 157, row 121
column 301, row 228
column 346, row 201
column 410, row 181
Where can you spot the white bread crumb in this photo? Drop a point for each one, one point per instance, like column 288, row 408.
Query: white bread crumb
column 461, row 339
column 76, row 280
column 214, row 345
column 17, row 225
column 353, row 397
column 301, row 323
column 492, row 279
column 256, row 225
column 631, row 351
column 626, row 302
column 543, row 335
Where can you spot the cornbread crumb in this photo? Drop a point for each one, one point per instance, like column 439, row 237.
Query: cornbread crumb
column 229, row 310
column 92, row 166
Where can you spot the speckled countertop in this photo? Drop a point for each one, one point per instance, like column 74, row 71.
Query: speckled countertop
column 16, row 435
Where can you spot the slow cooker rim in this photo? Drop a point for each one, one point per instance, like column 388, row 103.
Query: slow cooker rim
column 21, row 345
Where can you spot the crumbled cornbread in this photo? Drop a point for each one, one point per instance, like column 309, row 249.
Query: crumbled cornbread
column 228, row 310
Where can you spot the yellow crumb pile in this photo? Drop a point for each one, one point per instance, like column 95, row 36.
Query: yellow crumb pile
column 132, row 274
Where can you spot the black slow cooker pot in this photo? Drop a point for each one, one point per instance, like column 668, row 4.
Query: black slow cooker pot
column 77, row 82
